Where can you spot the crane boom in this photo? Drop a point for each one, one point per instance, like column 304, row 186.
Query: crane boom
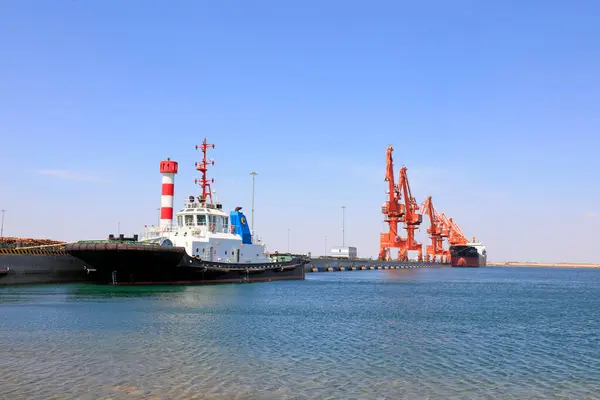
column 455, row 236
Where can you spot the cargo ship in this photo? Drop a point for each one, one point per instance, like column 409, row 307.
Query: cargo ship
column 202, row 245
column 473, row 254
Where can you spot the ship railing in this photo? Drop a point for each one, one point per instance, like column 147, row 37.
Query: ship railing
column 194, row 229
column 158, row 231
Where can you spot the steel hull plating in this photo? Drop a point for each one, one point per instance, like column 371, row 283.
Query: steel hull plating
column 183, row 275
column 466, row 256
column 20, row 269
column 472, row 262
column 127, row 264
column 101, row 257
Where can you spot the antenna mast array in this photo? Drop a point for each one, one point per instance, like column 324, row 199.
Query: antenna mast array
column 203, row 167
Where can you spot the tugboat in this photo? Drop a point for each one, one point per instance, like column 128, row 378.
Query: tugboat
column 204, row 245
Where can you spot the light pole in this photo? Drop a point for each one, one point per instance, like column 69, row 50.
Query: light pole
column 158, row 212
column 2, row 226
column 253, row 176
column 343, row 222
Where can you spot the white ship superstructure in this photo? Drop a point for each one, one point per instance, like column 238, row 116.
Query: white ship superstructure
column 201, row 226
column 206, row 232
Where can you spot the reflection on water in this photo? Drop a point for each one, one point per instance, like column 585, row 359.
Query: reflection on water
column 439, row 333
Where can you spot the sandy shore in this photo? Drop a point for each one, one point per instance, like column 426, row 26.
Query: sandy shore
column 544, row 265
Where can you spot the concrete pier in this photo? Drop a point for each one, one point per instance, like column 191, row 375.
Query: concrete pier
column 329, row 265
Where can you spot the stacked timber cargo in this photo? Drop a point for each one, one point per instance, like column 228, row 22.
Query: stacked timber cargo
column 15, row 242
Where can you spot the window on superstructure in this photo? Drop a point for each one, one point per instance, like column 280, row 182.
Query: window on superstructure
column 189, row 220
column 179, row 220
column 201, row 219
column 224, row 223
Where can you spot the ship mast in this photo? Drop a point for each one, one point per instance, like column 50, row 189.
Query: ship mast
column 203, row 167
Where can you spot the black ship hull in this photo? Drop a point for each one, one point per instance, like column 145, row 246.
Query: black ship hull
column 35, row 266
column 135, row 264
column 466, row 257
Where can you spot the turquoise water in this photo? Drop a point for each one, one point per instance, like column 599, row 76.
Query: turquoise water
column 508, row 333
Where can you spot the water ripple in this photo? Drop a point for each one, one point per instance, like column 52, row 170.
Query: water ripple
column 432, row 334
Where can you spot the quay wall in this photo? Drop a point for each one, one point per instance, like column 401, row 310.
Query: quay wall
column 325, row 265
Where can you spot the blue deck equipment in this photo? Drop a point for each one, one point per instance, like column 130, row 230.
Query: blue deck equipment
column 240, row 224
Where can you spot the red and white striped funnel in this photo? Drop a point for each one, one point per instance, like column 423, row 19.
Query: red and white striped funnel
column 168, row 169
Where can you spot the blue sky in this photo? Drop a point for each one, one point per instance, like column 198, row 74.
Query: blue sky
column 492, row 106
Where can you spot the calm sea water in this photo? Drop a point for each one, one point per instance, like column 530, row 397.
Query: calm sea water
column 520, row 333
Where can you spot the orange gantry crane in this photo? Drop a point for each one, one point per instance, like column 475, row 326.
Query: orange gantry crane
column 412, row 220
column 444, row 234
column 401, row 207
column 393, row 211
column 397, row 212
column 436, row 232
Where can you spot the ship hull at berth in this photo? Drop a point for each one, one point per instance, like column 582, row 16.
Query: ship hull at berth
column 24, row 267
column 467, row 262
column 466, row 257
column 137, row 264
